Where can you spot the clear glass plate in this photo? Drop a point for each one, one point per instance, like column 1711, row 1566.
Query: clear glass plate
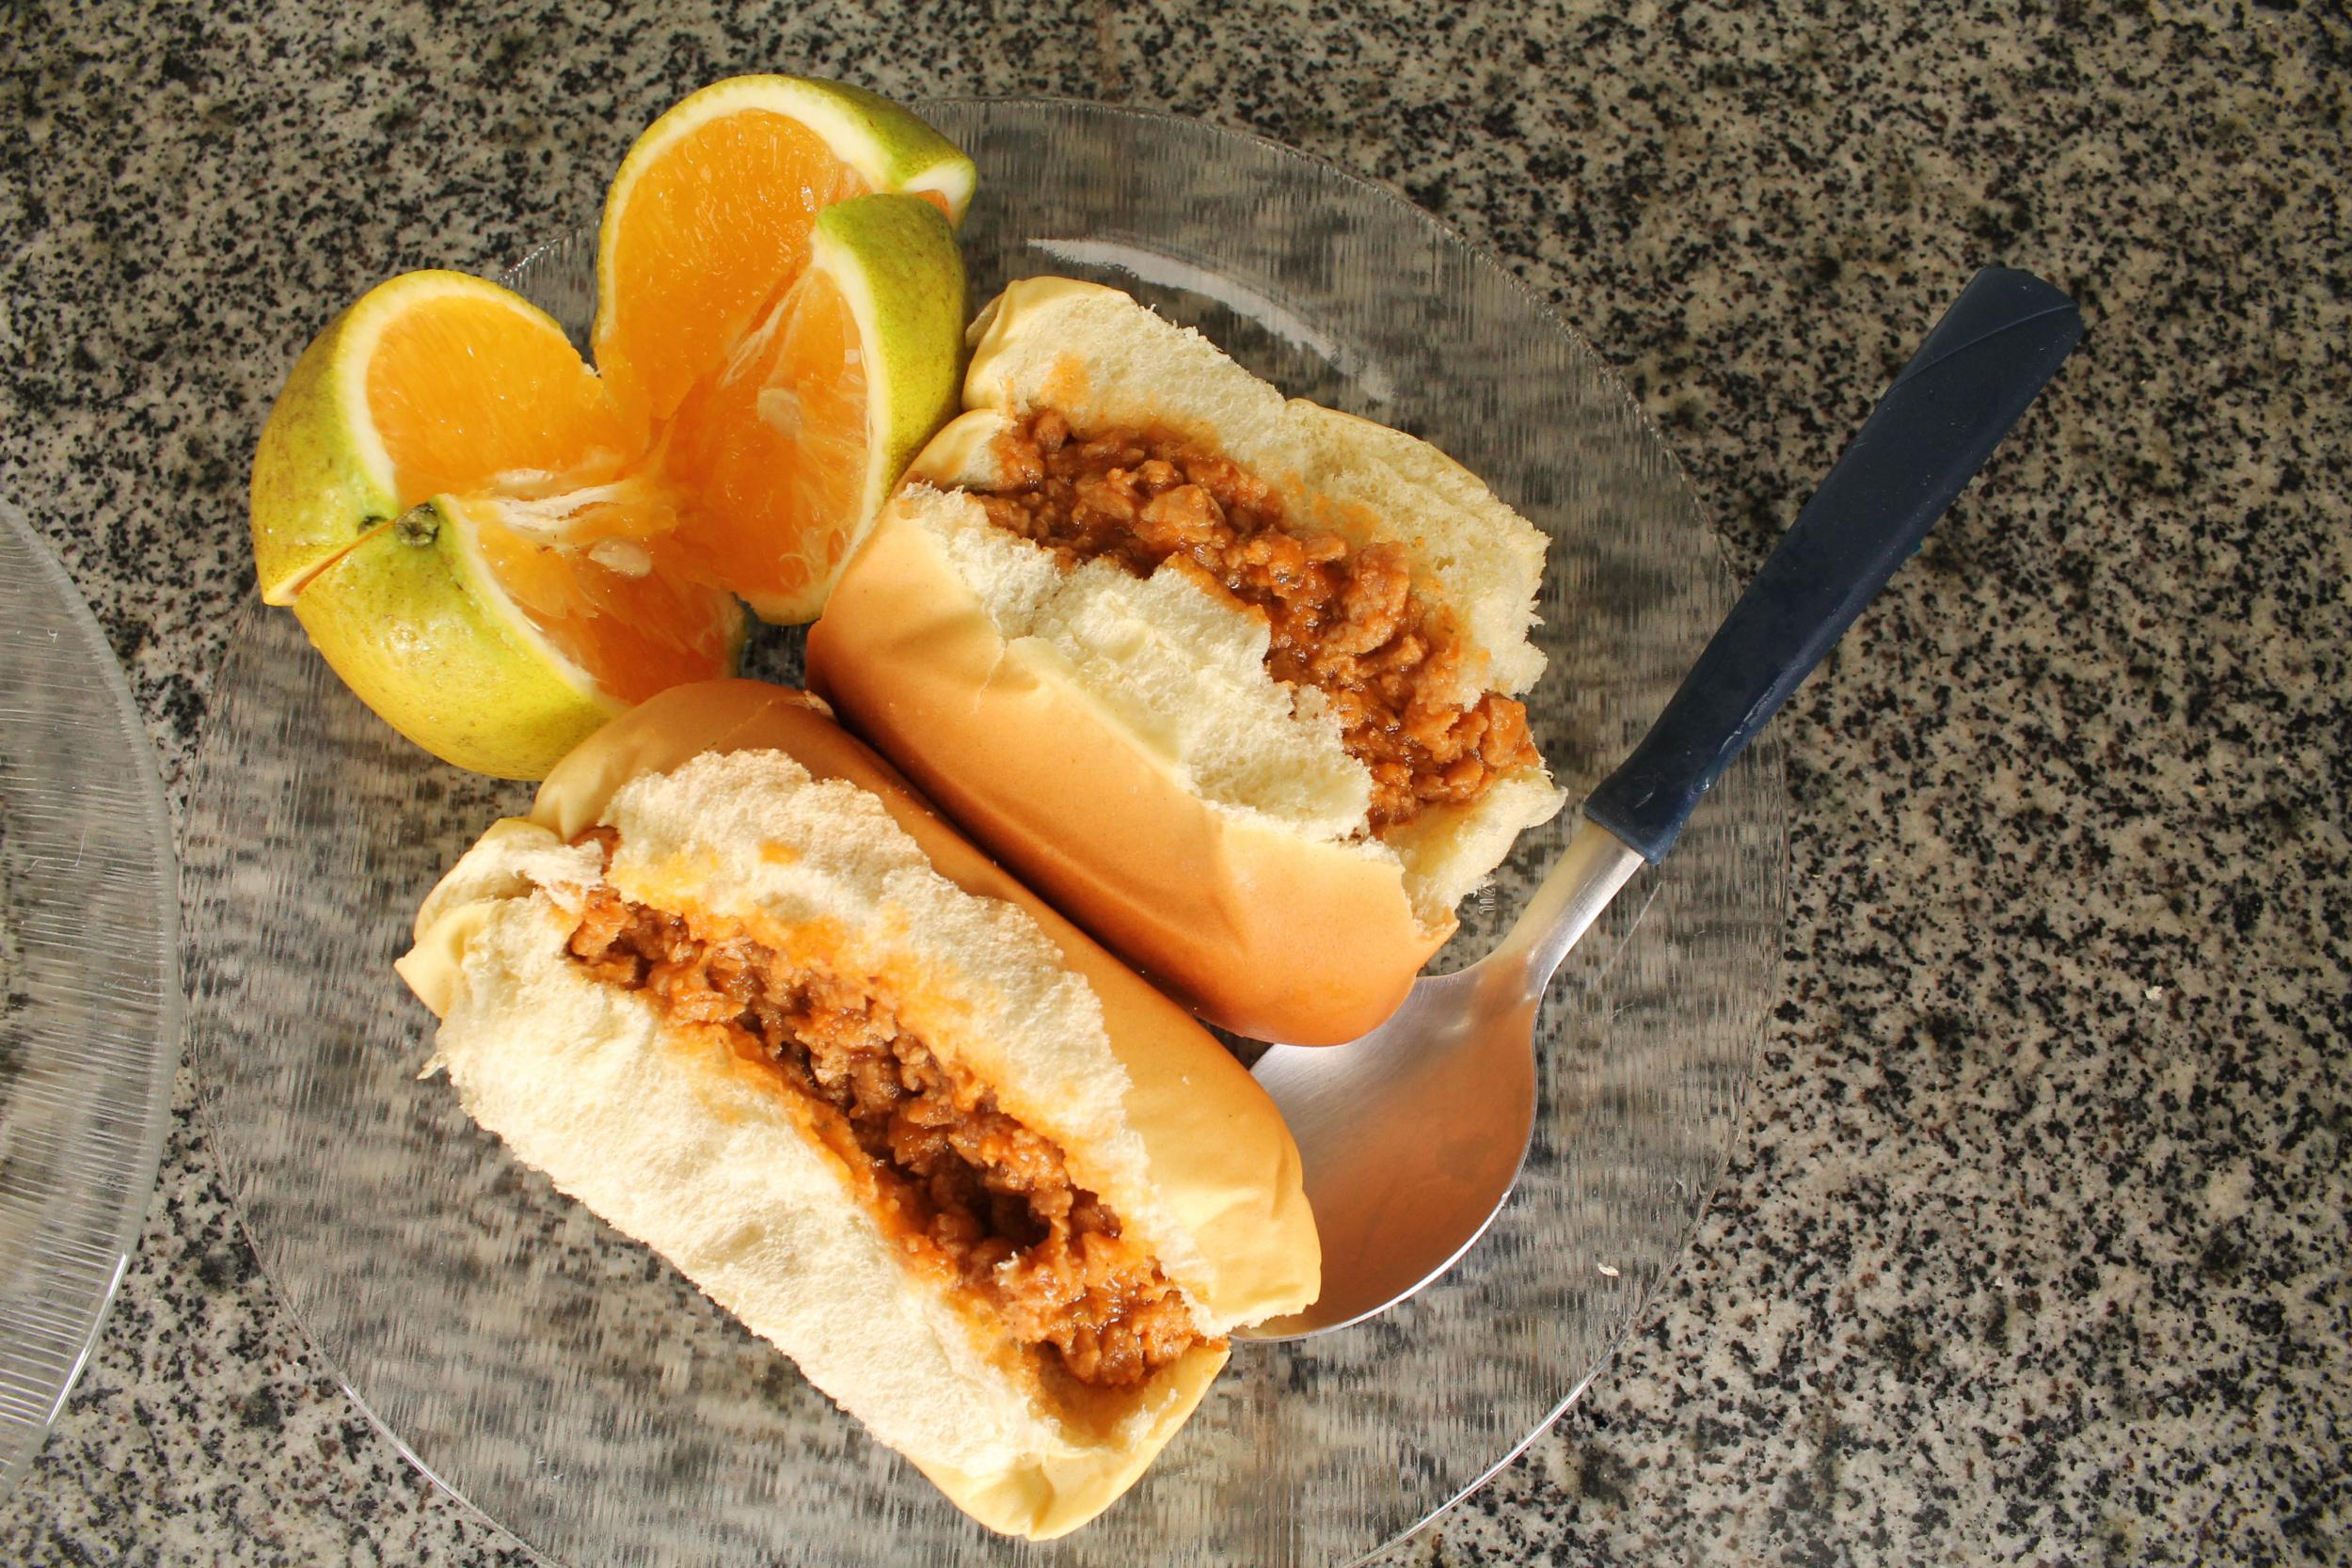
column 89, row 985
column 580, row 1392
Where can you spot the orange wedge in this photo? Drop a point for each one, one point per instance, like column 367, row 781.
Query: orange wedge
column 446, row 496
column 709, row 218
column 783, row 458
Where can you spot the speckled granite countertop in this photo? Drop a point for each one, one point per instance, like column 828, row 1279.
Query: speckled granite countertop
column 2034, row 1249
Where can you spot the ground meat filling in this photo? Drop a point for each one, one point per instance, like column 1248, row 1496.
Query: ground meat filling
column 970, row 1192
column 1344, row 618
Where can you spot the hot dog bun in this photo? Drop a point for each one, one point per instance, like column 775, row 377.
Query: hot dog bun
column 1118, row 739
column 743, row 808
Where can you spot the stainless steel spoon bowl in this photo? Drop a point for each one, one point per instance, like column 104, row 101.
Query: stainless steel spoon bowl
column 1413, row 1134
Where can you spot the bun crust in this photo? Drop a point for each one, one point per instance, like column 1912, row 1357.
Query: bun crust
column 1114, row 745
column 1259, row 929
column 708, row 1159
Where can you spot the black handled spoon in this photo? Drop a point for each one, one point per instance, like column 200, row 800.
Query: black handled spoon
column 1412, row 1135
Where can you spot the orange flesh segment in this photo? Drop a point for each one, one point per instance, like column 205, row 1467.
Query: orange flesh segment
column 770, row 456
column 635, row 635
column 475, row 399
column 728, row 206
column 463, row 390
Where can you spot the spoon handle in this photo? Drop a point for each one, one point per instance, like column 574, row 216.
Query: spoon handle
column 1970, row 381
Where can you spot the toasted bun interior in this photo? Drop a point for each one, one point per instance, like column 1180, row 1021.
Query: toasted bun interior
column 743, row 804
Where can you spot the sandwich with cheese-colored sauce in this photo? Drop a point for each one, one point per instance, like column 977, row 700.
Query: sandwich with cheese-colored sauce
column 735, row 987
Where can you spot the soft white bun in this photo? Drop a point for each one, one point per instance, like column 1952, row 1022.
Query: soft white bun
column 744, row 802
column 1119, row 741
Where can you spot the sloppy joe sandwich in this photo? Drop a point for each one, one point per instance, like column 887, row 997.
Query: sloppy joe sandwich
column 1232, row 678
column 733, row 986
